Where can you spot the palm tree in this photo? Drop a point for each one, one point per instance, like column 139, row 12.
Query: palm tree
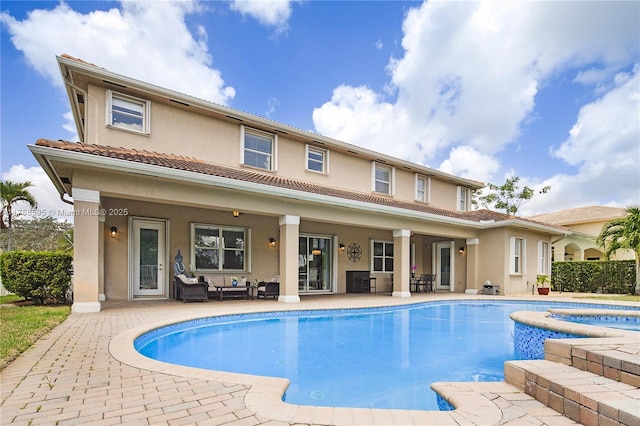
column 12, row 193
column 623, row 233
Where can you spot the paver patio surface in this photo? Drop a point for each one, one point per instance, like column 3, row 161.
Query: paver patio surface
column 69, row 376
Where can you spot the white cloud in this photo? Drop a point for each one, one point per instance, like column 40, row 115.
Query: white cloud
column 46, row 195
column 466, row 161
column 273, row 13
column 144, row 40
column 604, row 144
column 272, row 104
column 470, row 73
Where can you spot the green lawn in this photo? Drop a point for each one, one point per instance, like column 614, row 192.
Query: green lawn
column 21, row 326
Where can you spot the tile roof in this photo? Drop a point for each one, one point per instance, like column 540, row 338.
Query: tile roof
column 190, row 164
column 580, row 215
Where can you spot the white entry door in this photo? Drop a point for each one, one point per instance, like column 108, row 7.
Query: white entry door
column 443, row 265
column 148, row 258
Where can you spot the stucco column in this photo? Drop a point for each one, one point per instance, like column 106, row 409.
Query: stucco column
column 289, row 245
column 472, row 254
column 401, row 263
column 86, row 250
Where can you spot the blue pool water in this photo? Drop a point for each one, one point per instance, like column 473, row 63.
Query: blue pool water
column 630, row 323
column 378, row 357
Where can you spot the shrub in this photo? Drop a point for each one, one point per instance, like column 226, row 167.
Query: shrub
column 37, row 276
column 594, row 276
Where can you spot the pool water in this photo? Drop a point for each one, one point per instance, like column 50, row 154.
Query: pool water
column 620, row 322
column 372, row 358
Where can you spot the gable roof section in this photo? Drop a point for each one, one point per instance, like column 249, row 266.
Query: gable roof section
column 132, row 158
column 581, row 215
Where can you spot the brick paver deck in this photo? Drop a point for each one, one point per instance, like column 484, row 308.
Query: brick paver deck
column 70, row 377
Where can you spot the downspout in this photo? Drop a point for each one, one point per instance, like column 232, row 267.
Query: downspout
column 64, row 200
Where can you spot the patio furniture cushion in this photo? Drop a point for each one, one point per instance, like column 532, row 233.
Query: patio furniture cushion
column 190, row 288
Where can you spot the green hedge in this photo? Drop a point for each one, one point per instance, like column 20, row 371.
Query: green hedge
column 613, row 277
column 36, row 276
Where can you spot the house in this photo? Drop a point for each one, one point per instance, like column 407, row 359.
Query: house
column 157, row 172
column 586, row 224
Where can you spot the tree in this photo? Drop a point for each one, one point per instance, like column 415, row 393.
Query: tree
column 508, row 197
column 623, row 233
column 13, row 193
column 39, row 234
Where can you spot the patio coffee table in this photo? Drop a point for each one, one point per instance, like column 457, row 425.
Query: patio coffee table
column 233, row 291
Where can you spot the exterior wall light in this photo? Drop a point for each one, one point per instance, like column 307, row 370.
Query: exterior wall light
column 272, row 242
column 341, row 248
column 461, row 250
column 236, row 213
column 114, row 232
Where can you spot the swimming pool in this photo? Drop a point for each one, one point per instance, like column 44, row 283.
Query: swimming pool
column 376, row 357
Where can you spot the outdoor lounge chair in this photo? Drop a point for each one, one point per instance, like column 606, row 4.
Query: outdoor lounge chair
column 269, row 289
column 190, row 288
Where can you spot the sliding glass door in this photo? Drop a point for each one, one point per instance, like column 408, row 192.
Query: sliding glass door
column 314, row 264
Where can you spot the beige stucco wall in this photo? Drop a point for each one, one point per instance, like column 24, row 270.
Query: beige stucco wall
column 495, row 257
column 182, row 132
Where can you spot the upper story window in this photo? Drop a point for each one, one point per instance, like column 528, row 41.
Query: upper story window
column 517, row 255
column 258, row 149
column 317, row 159
column 463, row 199
column 544, row 258
column 422, row 189
column 383, row 178
column 128, row 113
column 381, row 256
column 218, row 248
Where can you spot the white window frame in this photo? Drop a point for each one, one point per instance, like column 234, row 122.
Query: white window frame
column 392, row 175
column 427, row 188
column 324, row 163
column 273, row 156
column 463, row 199
column 517, row 256
column 544, row 257
column 145, row 107
column 383, row 257
column 221, row 248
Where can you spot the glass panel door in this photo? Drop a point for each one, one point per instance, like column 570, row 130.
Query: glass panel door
column 148, row 250
column 443, row 265
column 314, row 264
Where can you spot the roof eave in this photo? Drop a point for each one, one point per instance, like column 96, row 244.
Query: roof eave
column 46, row 154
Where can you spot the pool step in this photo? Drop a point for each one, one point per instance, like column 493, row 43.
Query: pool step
column 614, row 358
column 582, row 396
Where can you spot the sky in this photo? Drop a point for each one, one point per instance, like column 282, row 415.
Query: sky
column 548, row 91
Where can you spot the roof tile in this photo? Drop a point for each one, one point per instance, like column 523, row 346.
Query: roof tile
column 195, row 165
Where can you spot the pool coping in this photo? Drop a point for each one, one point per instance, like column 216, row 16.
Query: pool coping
column 473, row 402
column 546, row 321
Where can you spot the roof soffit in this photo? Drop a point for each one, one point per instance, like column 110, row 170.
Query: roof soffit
column 64, row 156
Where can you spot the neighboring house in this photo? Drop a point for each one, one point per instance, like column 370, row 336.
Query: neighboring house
column 586, row 224
column 157, row 171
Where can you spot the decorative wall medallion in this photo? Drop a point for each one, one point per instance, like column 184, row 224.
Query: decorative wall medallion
column 354, row 252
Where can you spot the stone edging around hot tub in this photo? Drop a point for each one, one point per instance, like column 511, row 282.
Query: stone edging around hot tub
column 545, row 321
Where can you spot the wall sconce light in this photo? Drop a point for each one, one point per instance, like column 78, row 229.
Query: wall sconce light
column 236, row 213
column 272, row 242
column 461, row 250
column 114, row 232
column 341, row 248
